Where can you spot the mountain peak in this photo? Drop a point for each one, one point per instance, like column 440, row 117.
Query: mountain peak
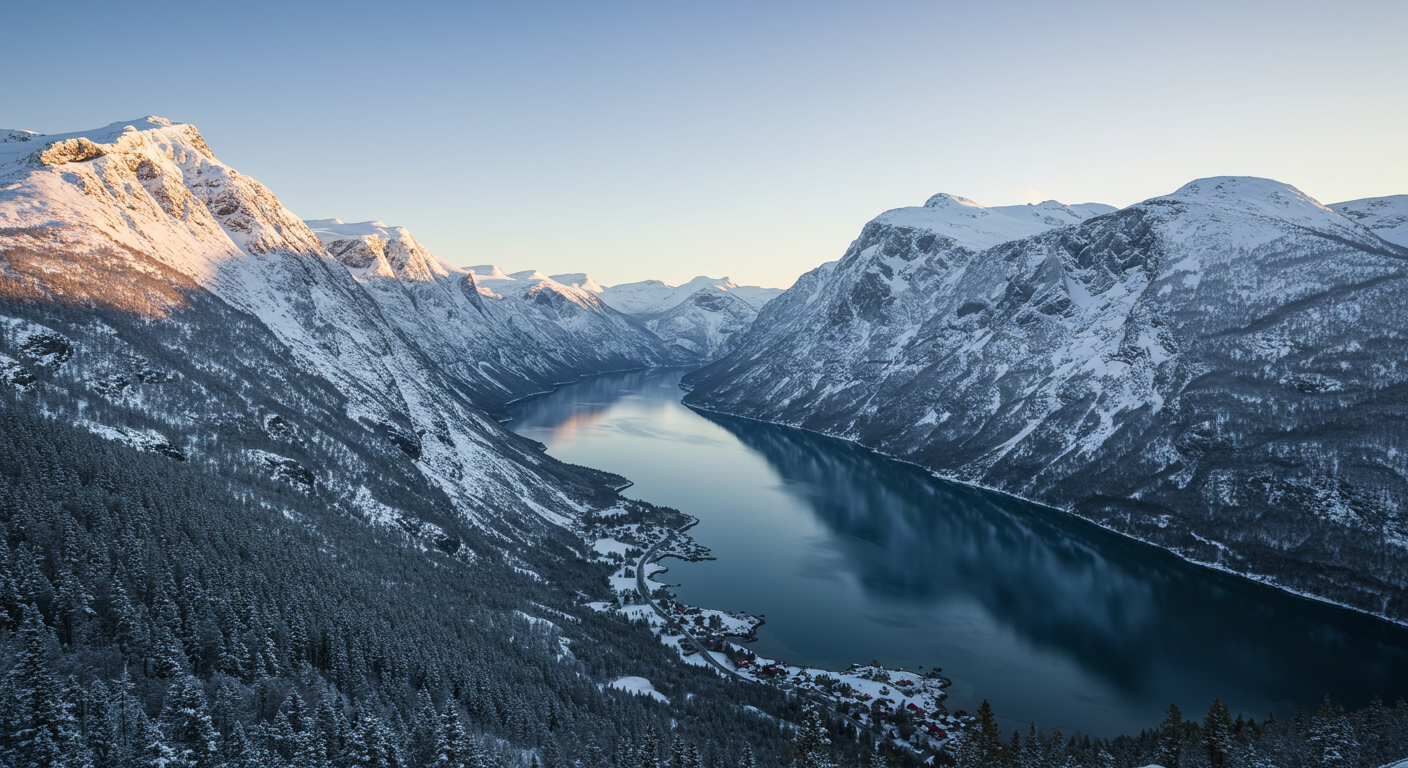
column 580, row 280
column 1265, row 195
column 1386, row 216
column 17, row 135
column 1260, row 209
column 945, row 200
column 487, row 272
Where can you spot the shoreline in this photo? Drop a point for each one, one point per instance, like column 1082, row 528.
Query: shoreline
column 928, row 741
column 1262, row 580
column 656, row 561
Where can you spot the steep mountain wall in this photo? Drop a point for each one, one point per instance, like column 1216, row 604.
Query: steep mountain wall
column 1217, row 371
column 248, row 472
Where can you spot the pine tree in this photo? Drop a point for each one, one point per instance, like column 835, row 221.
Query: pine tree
column 626, row 754
column 1170, row 751
column 280, row 737
column 297, row 712
column 11, row 604
column 1055, row 753
column 186, row 720
column 370, row 746
column 812, row 747
column 72, row 604
column 648, row 751
column 331, row 727
column 33, row 588
column 1331, row 737
column 124, row 717
column 1373, row 730
column 1032, row 755
column 153, row 751
column 982, row 745
column 1217, row 734
column 241, row 752
column 130, row 637
column 426, row 733
column 456, row 749
column 38, row 718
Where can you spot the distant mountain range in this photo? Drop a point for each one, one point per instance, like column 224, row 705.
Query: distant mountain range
column 1218, row 371
column 697, row 321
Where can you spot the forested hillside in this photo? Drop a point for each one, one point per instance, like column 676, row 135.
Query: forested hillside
column 250, row 518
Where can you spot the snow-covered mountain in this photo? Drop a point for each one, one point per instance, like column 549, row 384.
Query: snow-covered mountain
column 133, row 244
column 649, row 297
column 695, row 321
column 499, row 336
column 1387, row 216
column 580, row 280
column 246, row 455
column 705, row 325
column 1217, row 371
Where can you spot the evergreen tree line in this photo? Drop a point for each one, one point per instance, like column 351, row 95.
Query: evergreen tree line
column 1329, row 738
column 153, row 613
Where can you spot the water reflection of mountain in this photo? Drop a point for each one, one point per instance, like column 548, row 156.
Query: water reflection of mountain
column 1137, row 627
column 584, row 403
column 1126, row 611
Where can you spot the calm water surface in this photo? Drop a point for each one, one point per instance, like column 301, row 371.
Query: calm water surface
column 853, row 557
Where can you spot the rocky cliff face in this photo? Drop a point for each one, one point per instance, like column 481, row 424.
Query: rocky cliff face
column 1216, row 371
column 704, row 326
column 161, row 298
column 501, row 336
column 648, row 297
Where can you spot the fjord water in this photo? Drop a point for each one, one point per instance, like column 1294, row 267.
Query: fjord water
column 853, row 557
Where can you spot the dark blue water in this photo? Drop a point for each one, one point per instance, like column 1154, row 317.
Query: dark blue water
column 854, row 557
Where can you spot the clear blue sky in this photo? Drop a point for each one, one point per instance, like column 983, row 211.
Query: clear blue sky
column 666, row 140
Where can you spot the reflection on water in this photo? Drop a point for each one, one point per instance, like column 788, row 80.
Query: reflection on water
column 853, row 557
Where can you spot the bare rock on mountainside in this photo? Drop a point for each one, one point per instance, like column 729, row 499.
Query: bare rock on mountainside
column 276, row 443
column 188, row 298
column 706, row 324
column 1217, row 371
column 649, row 297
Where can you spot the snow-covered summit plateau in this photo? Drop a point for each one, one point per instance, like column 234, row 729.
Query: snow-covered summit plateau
column 1218, row 370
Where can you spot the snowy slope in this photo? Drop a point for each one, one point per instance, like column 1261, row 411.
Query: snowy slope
column 693, row 322
column 503, row 338
column 1387, row 216
column 1211, row 370
column 705, row 325
column 652, row 296
column 1055, row 213
column 580, row 280
column 139, row 219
